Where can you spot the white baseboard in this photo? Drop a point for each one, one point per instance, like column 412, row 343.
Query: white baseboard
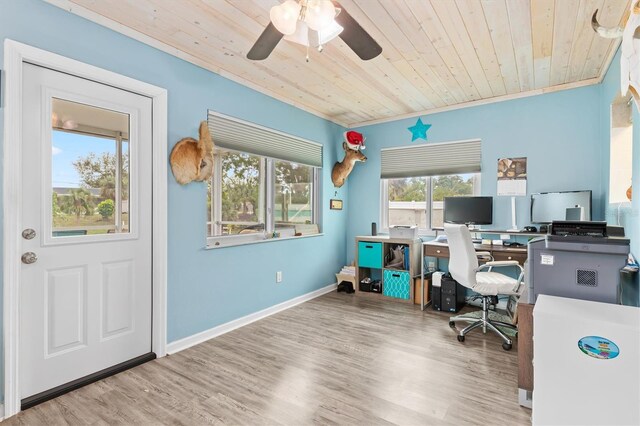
column 187, row 342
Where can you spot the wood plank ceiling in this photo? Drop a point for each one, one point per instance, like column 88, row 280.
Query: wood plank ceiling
column 437, row 54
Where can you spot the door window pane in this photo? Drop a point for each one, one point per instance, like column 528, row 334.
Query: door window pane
column 90, row 170
column 293, row 193
column 407, row 201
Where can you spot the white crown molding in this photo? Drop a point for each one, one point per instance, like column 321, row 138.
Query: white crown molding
column 496, row 99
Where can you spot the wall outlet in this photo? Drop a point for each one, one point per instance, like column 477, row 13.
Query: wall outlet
column 279, row 276
column 505, row 236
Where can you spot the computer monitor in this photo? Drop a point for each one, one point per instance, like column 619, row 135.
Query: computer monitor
column 468, row 210
column 565, row 205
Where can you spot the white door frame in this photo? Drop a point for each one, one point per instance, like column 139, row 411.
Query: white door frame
column 14, row 55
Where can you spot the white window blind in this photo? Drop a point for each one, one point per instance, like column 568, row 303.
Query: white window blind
column 238, row 135
column 433, row 159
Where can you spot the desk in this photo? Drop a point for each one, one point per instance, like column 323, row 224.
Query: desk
column 440, row 250
column 499, row 232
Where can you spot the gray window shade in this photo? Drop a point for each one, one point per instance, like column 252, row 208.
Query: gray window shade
column 431, row 159
column 238, row 135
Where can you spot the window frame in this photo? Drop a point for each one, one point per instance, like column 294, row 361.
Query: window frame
column 47, row 167
column 267, row 197
column 430, row 230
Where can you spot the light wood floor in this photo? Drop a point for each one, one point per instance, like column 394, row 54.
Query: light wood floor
column 338, row 359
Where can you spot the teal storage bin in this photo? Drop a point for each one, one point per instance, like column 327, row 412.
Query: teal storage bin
column 369, row 255
column 396, row 284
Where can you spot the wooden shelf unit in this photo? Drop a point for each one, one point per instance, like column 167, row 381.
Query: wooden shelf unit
column 372, row 263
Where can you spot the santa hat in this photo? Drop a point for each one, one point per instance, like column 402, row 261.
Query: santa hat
column 354, row 140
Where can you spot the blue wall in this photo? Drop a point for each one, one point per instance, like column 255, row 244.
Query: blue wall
column 559, row 133
column 205, row 287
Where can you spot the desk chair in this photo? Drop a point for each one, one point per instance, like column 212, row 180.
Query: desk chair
column 464, row 268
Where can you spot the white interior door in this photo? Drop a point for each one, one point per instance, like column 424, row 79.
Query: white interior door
column 85, row 295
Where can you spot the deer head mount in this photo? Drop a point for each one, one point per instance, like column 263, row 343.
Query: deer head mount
column 193, row 159
column 353, row 145
column 630, row 55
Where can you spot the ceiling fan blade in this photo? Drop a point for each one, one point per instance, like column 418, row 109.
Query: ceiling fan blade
column 265, row 44
column 356, row 37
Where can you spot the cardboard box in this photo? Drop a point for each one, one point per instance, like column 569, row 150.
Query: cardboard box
column 404, row 232
column 416, row 290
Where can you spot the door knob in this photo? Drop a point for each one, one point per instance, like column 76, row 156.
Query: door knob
column 29, row 258
column 28, row 234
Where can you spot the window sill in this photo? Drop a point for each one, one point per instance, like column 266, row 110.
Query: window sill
column 211, row 245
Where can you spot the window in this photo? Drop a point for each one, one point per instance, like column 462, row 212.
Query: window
column 89, row 170
column 264, row 183
column 251, row 197
column 419, row 200
column 293, row 193
column 621, row 151
column 448, row 168
column 240, row 209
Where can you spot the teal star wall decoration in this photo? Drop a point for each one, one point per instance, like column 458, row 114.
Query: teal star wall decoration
column 419, row 131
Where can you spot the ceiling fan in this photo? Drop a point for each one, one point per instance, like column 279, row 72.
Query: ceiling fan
column 313, row 23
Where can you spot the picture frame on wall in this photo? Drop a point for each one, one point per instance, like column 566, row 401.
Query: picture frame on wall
column 335, row 204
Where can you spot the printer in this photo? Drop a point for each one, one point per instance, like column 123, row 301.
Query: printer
column 578, row 260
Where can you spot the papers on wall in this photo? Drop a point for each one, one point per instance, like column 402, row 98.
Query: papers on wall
column 512, row 176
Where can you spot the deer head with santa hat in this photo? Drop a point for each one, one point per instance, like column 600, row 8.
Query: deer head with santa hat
column 353, row 145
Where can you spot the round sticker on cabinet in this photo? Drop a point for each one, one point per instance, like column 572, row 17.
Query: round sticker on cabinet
column 598, row 347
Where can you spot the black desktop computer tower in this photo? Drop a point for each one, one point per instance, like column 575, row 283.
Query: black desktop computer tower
column 449, row 297
column 435, row 299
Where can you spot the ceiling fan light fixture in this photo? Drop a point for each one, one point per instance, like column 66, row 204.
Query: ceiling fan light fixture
column 313, row 23
column 301, row 35
column 319, row 14
column 308, row 37
column 327, row 34
column 285, row 16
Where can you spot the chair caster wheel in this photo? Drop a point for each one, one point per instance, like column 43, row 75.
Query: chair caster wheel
column 460, row 338
column 452, row 324
column 506, row 346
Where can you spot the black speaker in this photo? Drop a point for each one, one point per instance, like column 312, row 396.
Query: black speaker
column 374, row 229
